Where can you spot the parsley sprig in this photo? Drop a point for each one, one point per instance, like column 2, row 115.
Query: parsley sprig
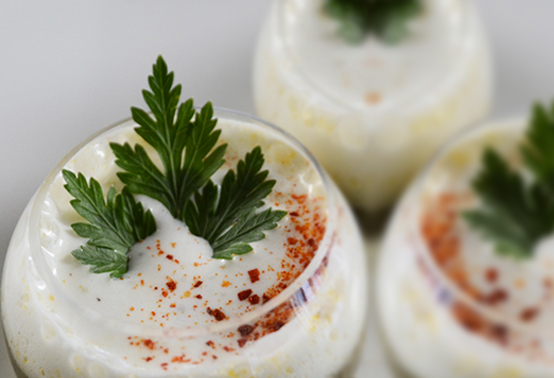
column 227, row 217
column 116, row 224
column 518, row 212
column 171, row 132
column 185, row 139
column 387, row 19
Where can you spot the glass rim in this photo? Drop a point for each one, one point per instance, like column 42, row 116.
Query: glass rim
column 38, row 255
column 440, row 81
column 421, row 249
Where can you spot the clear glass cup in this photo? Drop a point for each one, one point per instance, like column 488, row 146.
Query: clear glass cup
column 311, row 328
column 445, row 298
column 372, row 114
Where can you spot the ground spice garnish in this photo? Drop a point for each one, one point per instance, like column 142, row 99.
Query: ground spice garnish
column 497, row 296
column 245, row 330
column 491, row 275
column 198, row 283
column 529, row 314
column 244, row 294
column 254, row 275
column 171, row 285
column 216, row 313
column 149, row 344
column 254, row 300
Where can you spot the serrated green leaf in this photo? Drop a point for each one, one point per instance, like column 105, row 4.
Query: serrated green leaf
column 227, row 217
column 186, row 142
column 517, row 213
column 102, row 260
column 185, row 146
column 115, row 224
column 387, row 19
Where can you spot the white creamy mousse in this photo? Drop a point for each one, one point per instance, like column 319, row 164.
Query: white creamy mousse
column 294, row 306
column 358, row 106
column 451, row 306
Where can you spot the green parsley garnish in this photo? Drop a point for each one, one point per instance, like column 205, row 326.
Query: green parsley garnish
column 185, row 140
column 387, row 19
column 518, row 211
column 226, row 217
column 116, row 224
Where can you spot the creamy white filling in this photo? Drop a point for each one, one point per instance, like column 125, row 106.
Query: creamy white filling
column 373, row 74
column 418, row 301
column 160, row 293
column 356, row 107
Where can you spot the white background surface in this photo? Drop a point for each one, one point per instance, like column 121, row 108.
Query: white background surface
column 71, row 67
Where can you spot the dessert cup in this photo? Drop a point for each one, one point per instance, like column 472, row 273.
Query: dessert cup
column 450, row 305
column 61, row 320
column 372, row 113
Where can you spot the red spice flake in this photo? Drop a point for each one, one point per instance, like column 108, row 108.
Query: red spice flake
column 216, row 313
column 491, row 275
column 227, row 349
column 180, row 359
column 265, row 298
column 160, row 253
column 169, row 257
column 372, row 98
column 254, row 300
column 198, row 283
column 241, row 342
column 132, row 309
column 148, row 359
column 171, row 285
column 153, row 313
column 142, row 282
column 497, row 296
column 292, row 241
column 294, row 214
column 529, row 314
column 244, row 294
column 198, row 296
column 245, row 330
column 164, row 293
column 300, row 199
column 211, row 344
column 172, row 305
column 173, row 245
column 214, row 356
column 164, row 365
column 254, row 275
column 149, row 344
column 225, row 284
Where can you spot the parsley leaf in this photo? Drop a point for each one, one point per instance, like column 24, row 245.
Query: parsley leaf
column 182, row 144
column 115, row 224
column 185, row 140
column 227, row 217
column 387, row 19
column 517, row 213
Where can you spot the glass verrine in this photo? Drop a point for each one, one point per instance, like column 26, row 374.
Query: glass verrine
column 295, row 306
column 357, row 106
column 449, row 303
